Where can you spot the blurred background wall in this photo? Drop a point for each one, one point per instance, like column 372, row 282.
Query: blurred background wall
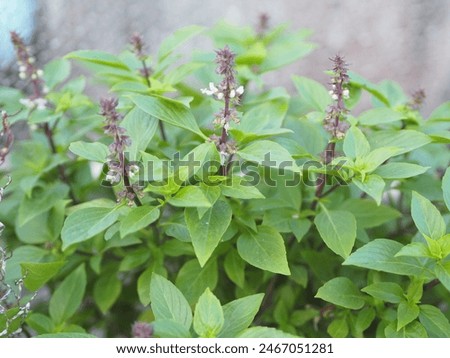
column 404, row 40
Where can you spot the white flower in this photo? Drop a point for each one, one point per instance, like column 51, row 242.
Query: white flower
column 31, row 60
column 133, row 170
column 240, row 90
column 340, row 134
column 331, row 92
column 113, row 178
column 334, row 96
column 219, row 95
column 226, row 126
column 27, row 103
column 45, row 90
column 41, row 103
column 223, row 157
column 34, row 76
column 232, row 93
column 346, row 93
column 22, row 68
column 212, row 89
column 22, row 75
column 40, row 73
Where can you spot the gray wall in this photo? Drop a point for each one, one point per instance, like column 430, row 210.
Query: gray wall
column 404, row 40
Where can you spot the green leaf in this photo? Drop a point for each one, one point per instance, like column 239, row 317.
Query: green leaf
column 134, row 258
column 264, row 117
column 337, row 229
column 360, row 82
column 269, row 154
column 208, row 316
column 406, row 140
column 446, row 187
column 169, row 111
column 177, row 229
column 254, row 55
column 66, row 335
column 177, row 39
column 286, row 50
column 338, row 328
column 168, row 328
column 355, row 143
column 137, row 219
column 444, row 245
column 190, row 196
column 372, row 185
column 85, row 223
column 341, row 291
column 96, row 152
column 24, row 253
column 385, row 291
column 299, row 227
column 442, row 271
column 299, row 275
column 42, row 200
column 441, row 113
column 440, row 137
column 415, row 249
column 143, row 286
column 364, row 319
column 434, row 321
column 375, row 158
column 129, row 86
column 377, row 116
column 235, row 268
column 207, row 231
column 312, row 93
column 193, row 280
column 367, row 213
column 236, row 188
column 415, row 290
column 40, row 323
column 264, row 249
column 394, row 92
column 68, row 296
column 178, row 74
column 37, row 274
column 168, row 302
column 201, row 161
column 239, row 315
column 400, row 170
column 56, row 72
column 98, row 58
column 380, row 254
column 140, row 127
column 280, row 219
column 406, row 313
column 107, row 290
column 427, row 218
column 412, row 330
column 264, row 332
